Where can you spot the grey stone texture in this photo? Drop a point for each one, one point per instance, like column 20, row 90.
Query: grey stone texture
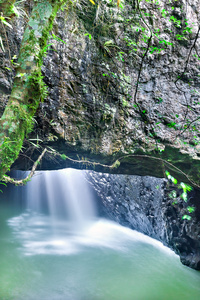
column 144, row 204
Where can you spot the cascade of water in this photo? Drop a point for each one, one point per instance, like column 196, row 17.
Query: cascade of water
column 65, row 193
column 61, row 219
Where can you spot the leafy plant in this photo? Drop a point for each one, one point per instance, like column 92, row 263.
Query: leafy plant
column 4, row 185
column 92, row 2
column 172, row 125
column 116, row 164
column 89, row 35
column 191, row 209
column 186, row 188
column 170, row 177
column 173, row 194
column 186, row 217
column 4, row 22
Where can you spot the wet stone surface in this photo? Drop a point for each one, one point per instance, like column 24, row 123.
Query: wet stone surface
column 144, row 204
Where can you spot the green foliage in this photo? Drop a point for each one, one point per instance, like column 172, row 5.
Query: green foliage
column 2, row 184
column 170, row 177
column 186, row 188
column 115, row 165
column 92, row 2
column 38, row 87
column 191, row 209
column 10, row 150
column 63, row 156
column 172, row 125
column 22, row 108
column 125, row 103
column 121, row 55
column 186, row 217
column 4, row 22
column 173, row 195
column 176, row 22
column 89, row 35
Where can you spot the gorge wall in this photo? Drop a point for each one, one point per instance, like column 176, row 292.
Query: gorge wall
column 146, row 205
column 109, row 97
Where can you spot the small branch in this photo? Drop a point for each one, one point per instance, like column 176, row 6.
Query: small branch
column 189, row 54
column 179, row 78
column 143, row 57
column 180, row 133
column 188, row 57
column 6, row 37
column 116, row 164
column 170, row 165
column 85, row 161
column 25, row 180
column 139, row 73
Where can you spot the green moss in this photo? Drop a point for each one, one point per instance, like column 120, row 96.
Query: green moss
column 38, row 88
column 29, row 90
column 10, row 150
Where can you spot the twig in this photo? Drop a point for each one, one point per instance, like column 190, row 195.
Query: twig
column 117, row 164
column 189, row 54
column 25, row 180
column 165, row 162
column 179, row 77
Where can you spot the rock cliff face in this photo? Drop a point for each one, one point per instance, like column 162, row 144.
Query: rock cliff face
column 108, row 96
column 144, row 204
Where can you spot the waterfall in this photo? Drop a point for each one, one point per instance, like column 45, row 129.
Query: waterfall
column 59, row 210
column 60, row 217
column 64, row 193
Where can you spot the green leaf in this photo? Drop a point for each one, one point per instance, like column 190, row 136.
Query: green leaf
column 63, row 156
column 58, row 39
column 92, row 2
column 89, row 35
column 167, row 173
column 172, row 194
column 5, row 22
column 174, row 180
column 186, row 217
column 191, row 209
column 109, row 43
column 186, row 187
column 184, row 196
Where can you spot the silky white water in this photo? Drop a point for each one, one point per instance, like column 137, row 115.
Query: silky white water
column 53, row 246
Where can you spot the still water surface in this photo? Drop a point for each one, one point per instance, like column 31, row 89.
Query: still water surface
column 51, row 251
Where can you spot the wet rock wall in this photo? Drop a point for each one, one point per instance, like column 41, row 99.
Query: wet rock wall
column 146, row 204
